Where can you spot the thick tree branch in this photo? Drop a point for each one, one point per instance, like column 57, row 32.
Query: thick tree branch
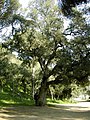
column 51, row 56
column 41, row 62
column 57, row 80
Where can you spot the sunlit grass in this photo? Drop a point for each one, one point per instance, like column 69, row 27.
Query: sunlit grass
column 65, row 101
column 7, row 99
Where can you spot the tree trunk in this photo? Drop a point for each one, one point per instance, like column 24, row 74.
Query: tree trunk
column 1, row 86
column 24, row 85
column 40, row 97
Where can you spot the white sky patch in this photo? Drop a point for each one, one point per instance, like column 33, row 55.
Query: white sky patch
column 15, row 53
column 66, row 23
column 24, row 3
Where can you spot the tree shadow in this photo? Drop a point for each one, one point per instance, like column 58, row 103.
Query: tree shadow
column 57, row 112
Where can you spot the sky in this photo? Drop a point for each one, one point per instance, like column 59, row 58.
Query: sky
column 24, row 3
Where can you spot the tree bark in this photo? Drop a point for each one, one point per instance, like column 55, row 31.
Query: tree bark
column 24, row 85
column 40, row 96
column 1, row 86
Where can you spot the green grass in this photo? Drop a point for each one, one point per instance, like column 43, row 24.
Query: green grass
column 66, row 101
column 7, row 99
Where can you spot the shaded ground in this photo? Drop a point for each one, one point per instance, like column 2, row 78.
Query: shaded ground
column 80, row 111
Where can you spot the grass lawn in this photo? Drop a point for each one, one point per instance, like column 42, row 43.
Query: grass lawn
column 7, row 99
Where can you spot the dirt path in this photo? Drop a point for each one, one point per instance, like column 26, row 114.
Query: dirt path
column 80, row 111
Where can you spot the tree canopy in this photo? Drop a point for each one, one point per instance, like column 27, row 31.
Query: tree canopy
column 48, row 56
column 7, row 9
column 67, row 5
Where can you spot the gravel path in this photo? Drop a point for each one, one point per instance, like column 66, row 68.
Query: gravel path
column 80, row 111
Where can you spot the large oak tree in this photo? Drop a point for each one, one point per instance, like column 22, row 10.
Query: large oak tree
column 42, row 38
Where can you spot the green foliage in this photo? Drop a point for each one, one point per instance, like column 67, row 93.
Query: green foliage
column 48, row 56
column 14, row 75
column 7, row 9
column 7, row 99
column 67, row 5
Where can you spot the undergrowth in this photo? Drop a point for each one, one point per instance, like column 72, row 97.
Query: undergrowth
column 7, row 99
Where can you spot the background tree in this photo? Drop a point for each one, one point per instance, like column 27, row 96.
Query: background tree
column 14, row 75
column 3, row 66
